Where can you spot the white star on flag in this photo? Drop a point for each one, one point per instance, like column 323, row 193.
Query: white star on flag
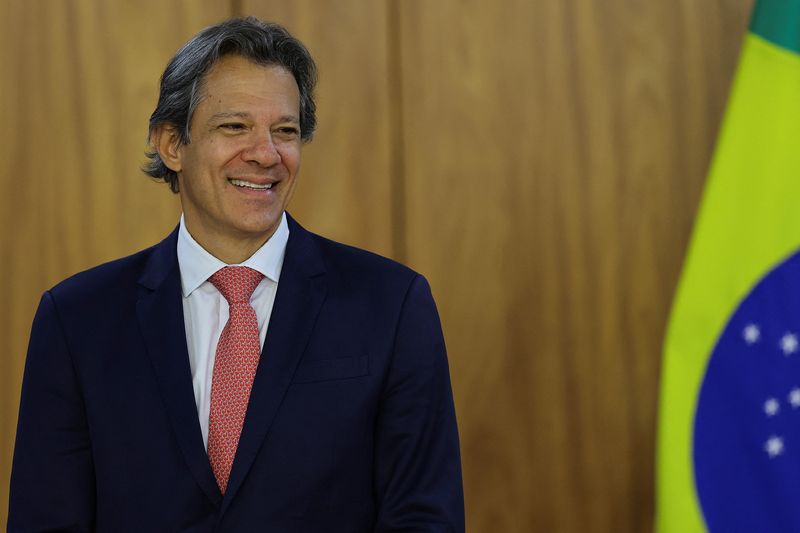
column 771, row 407
column 794, row 397
column 751, row 334
column 774, row 446
column 789, row 343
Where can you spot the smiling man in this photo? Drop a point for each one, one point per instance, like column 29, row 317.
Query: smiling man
column 238, row 172
column 244, row 374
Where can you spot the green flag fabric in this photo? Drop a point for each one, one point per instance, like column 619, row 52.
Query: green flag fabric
column 728, row 450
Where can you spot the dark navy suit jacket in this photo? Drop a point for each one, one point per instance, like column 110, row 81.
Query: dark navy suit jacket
column 350, row 427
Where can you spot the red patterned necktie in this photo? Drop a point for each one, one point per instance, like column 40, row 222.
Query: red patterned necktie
column 235, row 366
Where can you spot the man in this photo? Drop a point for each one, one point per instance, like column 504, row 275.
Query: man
column 244, row 374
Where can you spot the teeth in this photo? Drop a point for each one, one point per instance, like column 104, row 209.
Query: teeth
column 242, row 183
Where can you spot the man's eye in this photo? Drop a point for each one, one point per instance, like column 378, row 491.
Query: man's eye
column 232, row 126
column 288, row 131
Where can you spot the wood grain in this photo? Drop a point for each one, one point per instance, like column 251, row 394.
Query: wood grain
column 554, row 156
column 539, row 162
column 79, row 83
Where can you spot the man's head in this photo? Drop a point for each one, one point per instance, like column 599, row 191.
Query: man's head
column 182, row 81
column 181, row 87
column 236, row 104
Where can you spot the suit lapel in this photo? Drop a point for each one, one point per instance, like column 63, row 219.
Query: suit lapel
column 160, row 312
column 301, row 291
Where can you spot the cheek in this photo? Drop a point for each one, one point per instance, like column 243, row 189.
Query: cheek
column 223, row 154
column 291, row 158
column 217, row 153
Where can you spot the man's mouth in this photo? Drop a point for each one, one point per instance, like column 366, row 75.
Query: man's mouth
column 250, row 185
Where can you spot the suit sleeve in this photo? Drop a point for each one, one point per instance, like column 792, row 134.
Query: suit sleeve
column 418, row 465
column 52, row 478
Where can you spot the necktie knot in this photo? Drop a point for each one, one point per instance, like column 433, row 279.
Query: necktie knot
column 236, row 283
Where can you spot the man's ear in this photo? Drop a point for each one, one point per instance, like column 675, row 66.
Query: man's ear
column 167, row 142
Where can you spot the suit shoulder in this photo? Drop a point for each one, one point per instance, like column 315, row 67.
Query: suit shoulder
column 104, row 279
column 352, row 261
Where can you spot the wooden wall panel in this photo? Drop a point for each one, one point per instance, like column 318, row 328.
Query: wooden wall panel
column 554, row 157
column 345, row 187
column 79, row 82
column 540, row 162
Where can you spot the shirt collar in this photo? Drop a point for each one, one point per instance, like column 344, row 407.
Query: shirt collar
column 197, row 265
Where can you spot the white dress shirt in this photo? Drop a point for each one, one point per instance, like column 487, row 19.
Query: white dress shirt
column 205, row 310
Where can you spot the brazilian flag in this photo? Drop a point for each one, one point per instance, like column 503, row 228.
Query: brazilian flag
column 728, row 455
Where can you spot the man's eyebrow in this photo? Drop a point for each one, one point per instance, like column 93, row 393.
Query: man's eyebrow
column 228, row 114
column 244, row 115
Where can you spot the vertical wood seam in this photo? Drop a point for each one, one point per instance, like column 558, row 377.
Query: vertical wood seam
column 397, row 147
column 237, row 9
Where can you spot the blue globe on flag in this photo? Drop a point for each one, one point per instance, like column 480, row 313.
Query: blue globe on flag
column 747, row 424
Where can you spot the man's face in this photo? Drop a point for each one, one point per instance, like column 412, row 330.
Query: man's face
column 238, row 173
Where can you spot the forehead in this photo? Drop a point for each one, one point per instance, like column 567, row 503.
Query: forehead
column 235, row 79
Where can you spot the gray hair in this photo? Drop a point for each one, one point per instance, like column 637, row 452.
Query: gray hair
column 262, row 42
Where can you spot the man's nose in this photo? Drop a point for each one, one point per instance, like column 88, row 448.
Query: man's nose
column 262, row 150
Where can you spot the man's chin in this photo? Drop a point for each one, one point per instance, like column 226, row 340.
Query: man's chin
column 261, row 229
